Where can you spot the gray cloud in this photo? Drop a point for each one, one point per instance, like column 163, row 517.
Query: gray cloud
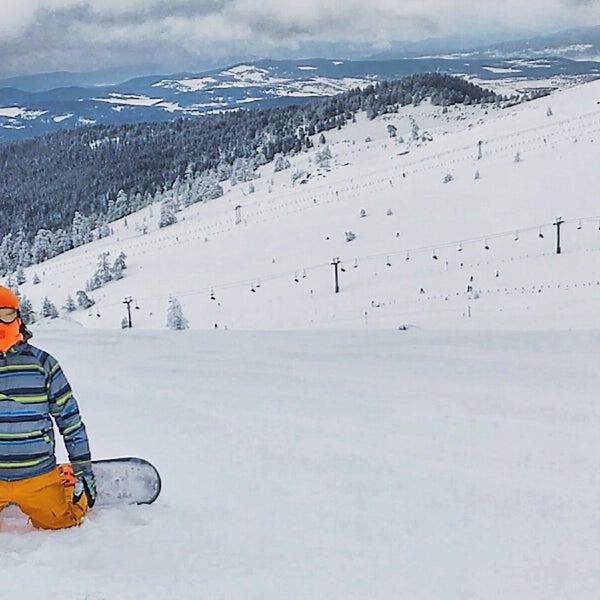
column 45, row 35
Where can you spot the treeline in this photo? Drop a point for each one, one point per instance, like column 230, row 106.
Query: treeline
column 61, row 190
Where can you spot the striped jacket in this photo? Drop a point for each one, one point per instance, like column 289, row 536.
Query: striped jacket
column 34, row 392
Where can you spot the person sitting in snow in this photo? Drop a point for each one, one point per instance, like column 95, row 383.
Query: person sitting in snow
column 34, row 392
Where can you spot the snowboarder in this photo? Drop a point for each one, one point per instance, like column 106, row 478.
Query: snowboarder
column 34, row 392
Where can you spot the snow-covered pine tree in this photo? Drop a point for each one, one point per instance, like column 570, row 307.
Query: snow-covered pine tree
column 48, row 308
column 167, row 213
column 81, row 230
column 118, row 207
column 27, row 312
column 20, row 275
column 414, row 127
column 22, row 249
column 175, row 318
column 11, row 282
column 83, row 300
column 206, row 187
column 102, row 228
column 70, row 305
column 119, row 266
column 242, row 170
column 42, row 247
column 104, row 270
column 102, row 275
column 280, row 163
column 116, row 271
column 323, row 157
column 62, row 241
column 5, row 257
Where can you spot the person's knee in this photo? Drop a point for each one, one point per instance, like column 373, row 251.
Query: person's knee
column 49, row 505
column 71, row 515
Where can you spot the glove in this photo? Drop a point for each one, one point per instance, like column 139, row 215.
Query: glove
column 85, row 484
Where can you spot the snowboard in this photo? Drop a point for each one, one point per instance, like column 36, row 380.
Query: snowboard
column 125, row 480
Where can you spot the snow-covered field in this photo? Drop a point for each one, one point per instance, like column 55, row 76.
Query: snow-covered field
column 383, row 442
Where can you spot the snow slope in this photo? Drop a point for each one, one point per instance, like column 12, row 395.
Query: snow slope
column 343, row 465
column 314, row 449
column 291, row 232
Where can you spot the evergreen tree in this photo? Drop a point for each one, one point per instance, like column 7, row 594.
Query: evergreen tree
column 117, row 271
column 20, row 275
column 280, row 163
column 205, row 187
column 27, row 312
column 83, row 300
column 70, row 305
column 102, row 275
column 323, row 157
column 11, row 282
column 242, row 170
column 175, row 318
column 81, row 231
column 119, row 208
column 22, row 249
column 119, row 266
column 103, row 271
column 62, row 241
column 48, row 309
column 8, row 263
column 42, row 248
column 167, row 213
column 102, row 228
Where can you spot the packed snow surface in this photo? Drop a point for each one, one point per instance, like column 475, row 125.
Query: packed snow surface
column 429, row 432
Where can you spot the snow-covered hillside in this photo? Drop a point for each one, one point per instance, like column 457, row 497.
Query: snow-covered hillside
column 466, row 253
column 429, row 432
column 339, row 465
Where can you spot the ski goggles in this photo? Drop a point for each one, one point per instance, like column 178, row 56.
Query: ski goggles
column 8, row 315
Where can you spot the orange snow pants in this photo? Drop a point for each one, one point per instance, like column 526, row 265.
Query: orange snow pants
column 44, row 499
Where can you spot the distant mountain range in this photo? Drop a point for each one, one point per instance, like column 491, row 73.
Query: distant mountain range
column 34, row 105
column 582, row 43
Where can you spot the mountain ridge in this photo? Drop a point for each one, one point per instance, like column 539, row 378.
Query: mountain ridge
column 26, row 113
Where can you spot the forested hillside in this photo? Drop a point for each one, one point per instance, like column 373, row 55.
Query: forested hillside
column 60, row 190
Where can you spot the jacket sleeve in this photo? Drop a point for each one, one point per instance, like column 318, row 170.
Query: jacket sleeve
column 65, row 410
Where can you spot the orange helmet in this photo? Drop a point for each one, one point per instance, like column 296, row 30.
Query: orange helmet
column 8, row 299
column 10, row 333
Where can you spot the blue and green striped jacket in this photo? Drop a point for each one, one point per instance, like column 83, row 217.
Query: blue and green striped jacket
column 33, row 392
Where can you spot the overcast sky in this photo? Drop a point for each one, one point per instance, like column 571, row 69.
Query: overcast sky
column 82, row 35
